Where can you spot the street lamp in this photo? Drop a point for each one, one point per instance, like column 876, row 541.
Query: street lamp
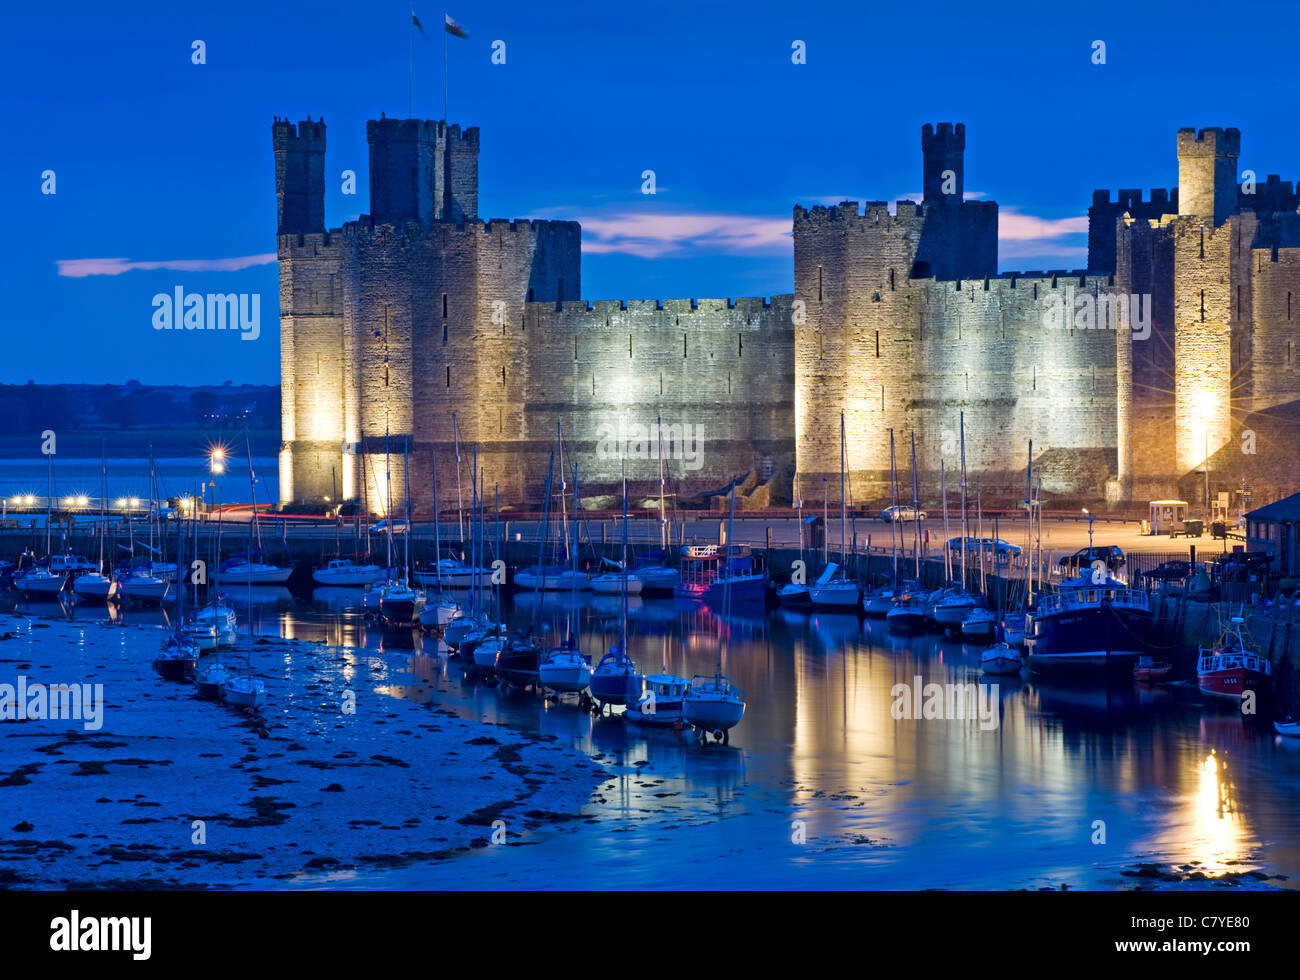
column 1090, row 520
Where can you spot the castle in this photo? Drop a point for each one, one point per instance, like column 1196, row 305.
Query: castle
column 420, row 327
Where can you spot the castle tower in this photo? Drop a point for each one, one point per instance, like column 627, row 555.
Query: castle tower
column 311, row 319
column 299, row 176
column 1207, row 172
column 942, row 152
column 422, row 170
column 1207, row 196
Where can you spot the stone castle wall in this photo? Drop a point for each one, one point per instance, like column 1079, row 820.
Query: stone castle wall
column 420, row 314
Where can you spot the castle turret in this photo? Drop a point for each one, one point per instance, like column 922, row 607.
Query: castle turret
column 942, row 152
column 299, row 176
column 422, row 170
column 1207, row 172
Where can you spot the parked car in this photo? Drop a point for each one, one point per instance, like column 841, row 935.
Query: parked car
column 1168, row 571
column 1003, row 550
column 1111, row 554
column 400, row 526
column 902, row 512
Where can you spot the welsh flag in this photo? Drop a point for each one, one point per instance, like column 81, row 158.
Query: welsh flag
column 455, row 29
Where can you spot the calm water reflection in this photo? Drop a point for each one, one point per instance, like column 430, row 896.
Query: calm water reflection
column 881, row 802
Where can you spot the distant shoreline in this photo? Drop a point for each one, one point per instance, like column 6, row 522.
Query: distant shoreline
column 119, row 443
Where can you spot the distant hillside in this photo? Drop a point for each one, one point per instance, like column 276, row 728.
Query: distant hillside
column 178, row 420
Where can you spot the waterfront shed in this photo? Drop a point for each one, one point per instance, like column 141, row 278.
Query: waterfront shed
column 1274, row 529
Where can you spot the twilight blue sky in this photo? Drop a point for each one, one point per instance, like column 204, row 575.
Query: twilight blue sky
column 162, row 161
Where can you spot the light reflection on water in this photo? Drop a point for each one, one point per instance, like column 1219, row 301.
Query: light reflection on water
column 883, row 803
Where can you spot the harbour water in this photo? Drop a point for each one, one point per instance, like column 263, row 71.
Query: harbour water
column 822, row 785
column 129, row 477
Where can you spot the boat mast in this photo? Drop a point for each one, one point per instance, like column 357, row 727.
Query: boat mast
column 979, row 531
column 1029, row 528
column 916, row 510
column 338, row 529
column 49, row 502
column 406, row 511
column 893, row 503
column 541, row 537
column 564, row 489
column 623, row 640
column 663, row 522
column 844, row 514
column 460, row 504
column 965, row 528
column 723, row 627
column 437, row 518
column 571, row 624
column 103, row 501
column 473, row 534
column 254, row 527
column 947, row 552
column 388, row 502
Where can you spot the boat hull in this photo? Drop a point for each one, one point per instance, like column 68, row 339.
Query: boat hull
column 658, row 581
column 256, row 575
column 518, row 663
column 175, row 668
column 905, row 620
column 1232, row 683
column 835, row 596
column 565, row 671
column 1095, row 639
column 552, row 581
column 712, row 713
column 41, row 585
column 244, row 693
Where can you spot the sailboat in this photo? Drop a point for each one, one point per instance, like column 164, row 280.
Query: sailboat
column 794, row 595
column 179, row 657
column 248, row 566
column 518, row 657
column 566, row 668
column 615, row 681
column 394, row 602
column 882, row 600
column 40, row 578
column 713, row 704
column 1013, row 622
column 840, row 592
column 243, row 690
column 954, row 605
column 439, row 609
column 658, row 579
column 98, row 584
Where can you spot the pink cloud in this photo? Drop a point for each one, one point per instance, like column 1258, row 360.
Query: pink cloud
column 654, row 234
column 1017, row 227
column 80, row 268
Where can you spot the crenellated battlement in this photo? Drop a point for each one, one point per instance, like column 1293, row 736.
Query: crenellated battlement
column 1129, row 199
column 1211, row 141
column 705, row 308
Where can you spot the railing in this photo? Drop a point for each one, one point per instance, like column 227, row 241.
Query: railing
column 1088, row 598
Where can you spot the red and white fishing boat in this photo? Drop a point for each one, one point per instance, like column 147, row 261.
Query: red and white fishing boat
column 1232, row 668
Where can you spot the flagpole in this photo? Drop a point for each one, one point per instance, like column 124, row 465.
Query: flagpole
column 444, row 66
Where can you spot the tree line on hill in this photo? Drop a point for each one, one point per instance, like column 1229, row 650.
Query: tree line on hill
column 133, row 405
